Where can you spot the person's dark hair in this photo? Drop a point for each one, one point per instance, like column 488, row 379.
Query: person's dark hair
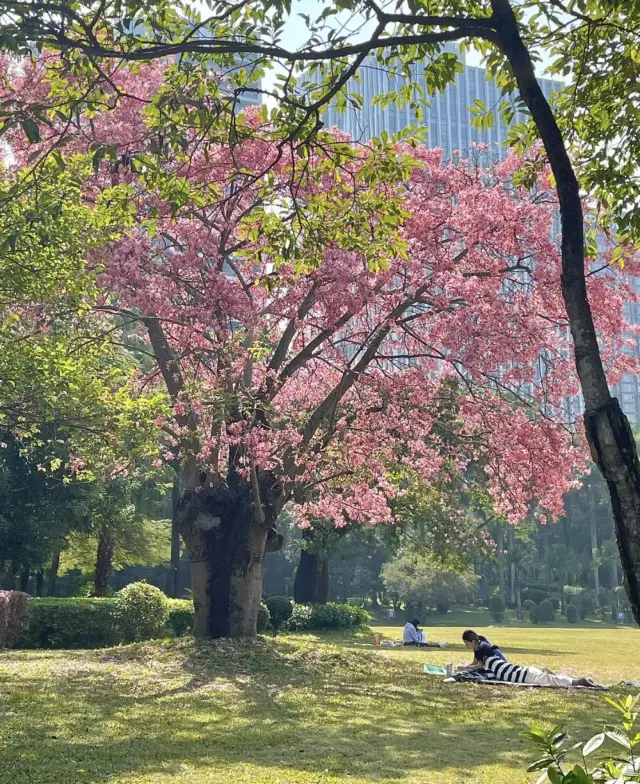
column 470, row 636
column 415, row 622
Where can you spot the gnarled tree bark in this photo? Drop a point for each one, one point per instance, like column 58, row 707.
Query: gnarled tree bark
column 227, row 541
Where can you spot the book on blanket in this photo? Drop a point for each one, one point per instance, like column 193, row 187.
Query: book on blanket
column 433, row 669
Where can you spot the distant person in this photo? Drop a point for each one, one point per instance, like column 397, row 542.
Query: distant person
column 473, row 641
column 496, row 668
column 412, row 634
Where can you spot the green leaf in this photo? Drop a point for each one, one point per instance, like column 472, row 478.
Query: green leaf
column 31, row 129
column 540, row 764
column 593, row 744
column 618, row 736
column 554, row 776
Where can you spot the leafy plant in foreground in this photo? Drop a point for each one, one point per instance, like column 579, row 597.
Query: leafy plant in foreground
column 615, row 767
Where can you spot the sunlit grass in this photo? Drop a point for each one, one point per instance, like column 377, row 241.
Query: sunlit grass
column 297, row 709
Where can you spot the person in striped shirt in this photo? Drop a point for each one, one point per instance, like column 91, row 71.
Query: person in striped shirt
column 496, row 668
column 475, row 641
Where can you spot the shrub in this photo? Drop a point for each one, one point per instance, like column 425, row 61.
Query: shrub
column 496, row 608
column 536, row 595
column 181, row 616
column 572, row 613
column 442, row 605
column 545, row 608
column 13, row 617
column 300, row 618
column 264, row 618
column 528, row 604
column 70, row 623
column 326, row 616
column 534, row 614
column 586, row 605
column 280, row 610
column 142, row 611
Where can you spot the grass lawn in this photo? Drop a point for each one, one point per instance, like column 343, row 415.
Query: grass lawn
column 304, row 708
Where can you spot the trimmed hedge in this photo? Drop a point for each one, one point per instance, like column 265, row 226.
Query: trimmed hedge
column 496, row 608
column 307, row 617
column 142, row 612
column 572, row 613
column 264, row 618
column 280, row 611
column 70, row 623
column 181, row 616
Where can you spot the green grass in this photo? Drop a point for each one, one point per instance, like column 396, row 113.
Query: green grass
column 303, row 708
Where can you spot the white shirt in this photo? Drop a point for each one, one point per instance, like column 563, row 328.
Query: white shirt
column 411, row 634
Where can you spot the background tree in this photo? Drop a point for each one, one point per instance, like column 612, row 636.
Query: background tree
column 424, row 584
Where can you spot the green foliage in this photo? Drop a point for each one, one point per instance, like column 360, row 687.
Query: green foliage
column 306, row 617
column 181, row 616
column 13, row 617
column 497, row 608
column 545, row 611
column 620, row 766
column 586, row 604
column 572, row 613
column 70, row 623
column 534, row 614
column 535, row 595
column 527, row 604
column 264, row 618
column 142, row 611
column 280, row 610
column 418, row 578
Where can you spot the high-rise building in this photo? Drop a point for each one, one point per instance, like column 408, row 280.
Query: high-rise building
column 447, row 122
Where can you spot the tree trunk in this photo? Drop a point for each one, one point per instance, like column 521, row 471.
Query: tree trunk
column 104, row 562
column 39, row 583
column 594, row 550
column 173, row 587
column 25, row 576
column 52, row 577
column 226, row 542
column 501, row 580
column 512, row 566
column 311, row 582
column 608, row 431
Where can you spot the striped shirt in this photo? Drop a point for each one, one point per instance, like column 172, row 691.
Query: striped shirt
column 497, row 669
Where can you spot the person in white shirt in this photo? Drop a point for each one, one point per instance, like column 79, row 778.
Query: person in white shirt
column 412, row 634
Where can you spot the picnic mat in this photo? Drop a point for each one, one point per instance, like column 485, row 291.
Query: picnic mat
column 475, row 677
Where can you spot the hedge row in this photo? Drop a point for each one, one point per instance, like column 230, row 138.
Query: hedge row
column 99, row 623
column 138, row 612
column 288, row 616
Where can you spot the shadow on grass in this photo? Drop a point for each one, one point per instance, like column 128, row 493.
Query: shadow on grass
column 279, row 705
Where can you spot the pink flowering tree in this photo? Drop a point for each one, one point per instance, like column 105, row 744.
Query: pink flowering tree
column 312, row 317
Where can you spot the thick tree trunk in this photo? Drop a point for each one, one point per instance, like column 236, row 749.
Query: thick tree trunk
column 311, row 582
column 226, row 544
column 25, row 576
column 52, row 576
column 104, row 562
column 39, row 583
column 608, row 432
